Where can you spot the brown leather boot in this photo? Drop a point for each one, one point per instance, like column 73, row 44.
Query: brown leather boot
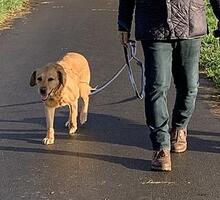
column 161, row 160
column 178, row 140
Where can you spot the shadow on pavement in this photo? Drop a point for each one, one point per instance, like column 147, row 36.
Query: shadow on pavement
column 131, row 163
column 204, row 141
column 99, row 128
column 20, row 104
column 106, row 129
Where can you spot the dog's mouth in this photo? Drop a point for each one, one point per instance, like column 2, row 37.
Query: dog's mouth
column 44, row 94
column 44, row 97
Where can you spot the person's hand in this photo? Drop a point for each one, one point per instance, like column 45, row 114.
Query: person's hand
column 124, row 37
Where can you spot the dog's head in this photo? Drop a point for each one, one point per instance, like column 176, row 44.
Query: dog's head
column 48, row 79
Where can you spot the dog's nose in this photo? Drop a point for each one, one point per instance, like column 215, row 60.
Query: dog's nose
column 43, row 91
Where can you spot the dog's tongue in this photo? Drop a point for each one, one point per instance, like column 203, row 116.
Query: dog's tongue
column 44, row 98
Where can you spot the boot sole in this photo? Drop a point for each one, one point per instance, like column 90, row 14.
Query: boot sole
column 178, row 151
column 166, row 169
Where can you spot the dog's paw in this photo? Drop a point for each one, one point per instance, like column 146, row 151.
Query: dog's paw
column 67, row 124
column 83, row 118
column 72, row 131
column 48, row 141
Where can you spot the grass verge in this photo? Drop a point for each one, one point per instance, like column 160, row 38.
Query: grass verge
column 10, row 9
column 210, row 53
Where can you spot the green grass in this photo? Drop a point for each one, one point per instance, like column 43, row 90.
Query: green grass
column 210, row 54
column 8, row 7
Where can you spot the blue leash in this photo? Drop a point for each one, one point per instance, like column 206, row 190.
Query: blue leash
column 130, row 54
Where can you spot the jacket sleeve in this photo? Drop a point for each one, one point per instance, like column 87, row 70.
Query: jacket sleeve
column 125, row 14
column 216, row 8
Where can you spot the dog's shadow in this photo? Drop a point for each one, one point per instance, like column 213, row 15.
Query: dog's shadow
column 98, row 128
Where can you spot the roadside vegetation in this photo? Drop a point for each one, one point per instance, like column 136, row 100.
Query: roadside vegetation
column 210, row 54
column 10, row 9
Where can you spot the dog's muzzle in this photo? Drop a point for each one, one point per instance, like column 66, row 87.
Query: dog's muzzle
column 43, row 93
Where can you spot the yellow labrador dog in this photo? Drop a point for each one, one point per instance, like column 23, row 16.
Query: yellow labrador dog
column 61, row 84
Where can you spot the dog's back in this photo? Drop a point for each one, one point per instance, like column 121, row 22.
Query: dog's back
column 77, row 64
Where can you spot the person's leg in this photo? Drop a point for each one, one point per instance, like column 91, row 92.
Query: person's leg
column 158, row 62
column 186, row 78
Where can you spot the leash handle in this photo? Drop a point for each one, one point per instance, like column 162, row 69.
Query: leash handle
column 130, row 53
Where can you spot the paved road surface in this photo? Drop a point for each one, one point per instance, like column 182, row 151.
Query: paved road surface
column 110, row 157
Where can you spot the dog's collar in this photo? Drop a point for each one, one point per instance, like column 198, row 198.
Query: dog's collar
column 54, row 92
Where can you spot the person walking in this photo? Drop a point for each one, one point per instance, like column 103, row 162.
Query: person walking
column 170, row 32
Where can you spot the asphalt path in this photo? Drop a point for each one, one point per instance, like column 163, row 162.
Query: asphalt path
column 110, row 157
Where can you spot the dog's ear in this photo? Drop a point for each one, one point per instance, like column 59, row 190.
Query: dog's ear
column 33, row 79
column 61, row 74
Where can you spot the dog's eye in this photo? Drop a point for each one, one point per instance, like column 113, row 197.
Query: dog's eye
column 39, row 79
column 50, row 79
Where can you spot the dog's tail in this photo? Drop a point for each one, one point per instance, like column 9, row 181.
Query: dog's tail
column 88, row 88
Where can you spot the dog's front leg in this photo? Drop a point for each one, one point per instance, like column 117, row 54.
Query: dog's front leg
column 73, row 108
column 49, row 139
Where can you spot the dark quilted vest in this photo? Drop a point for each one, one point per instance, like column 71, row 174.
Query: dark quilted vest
column 167, row 19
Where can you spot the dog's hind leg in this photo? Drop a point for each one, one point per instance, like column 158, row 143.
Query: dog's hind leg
column 84, row 93
column 67, row 124
column 84, row 110
column 49, row 139
column 73, row 108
